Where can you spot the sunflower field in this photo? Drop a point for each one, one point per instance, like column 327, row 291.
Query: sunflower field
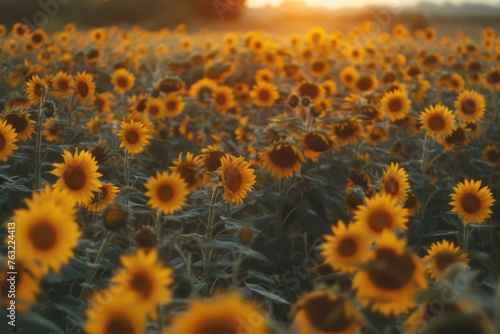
column 248, row 182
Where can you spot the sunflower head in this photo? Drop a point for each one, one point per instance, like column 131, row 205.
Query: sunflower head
column 134, row 136
column 441, row 255
column 122, row 80
column 237, row 178
column 166, row 192
column 282, row 159
column 395, row 105
column 472, row 202
column 395, row 183
column 188, row 169
column 8, row 140
column 470, row 106
column 438, row 121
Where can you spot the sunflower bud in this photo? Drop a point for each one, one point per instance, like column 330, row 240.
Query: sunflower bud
column 115, row 216
column 145, row 238
column 293, row 100
column 245, row 235
column 49, row 107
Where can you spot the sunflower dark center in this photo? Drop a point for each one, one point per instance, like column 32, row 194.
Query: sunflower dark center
column 318, row 66
column 379, row 221
column 309, row 89
column 43, row 236
column 395, row 105
column 122, row 82
column 132, row 137
column 346, row 129
column 410, row 202
column 83, row 89
column 389, row 77
column 457, row 136
column 18, row 122
column 3, row 142
column 364, row 83
column 221, row 99
column 218, row 325
column 391, row 186
column 347, row 247
column 188, row 173
column 493, row 77
column 62, row 85
column 493, row 155
column 284, row 156
column 475, row 66
column 327, row 315
column 348, row 78
column 171, row 105
column 92, row 54
column 165, row 193
column 468, row 106
column 212, row 160
column 353, row 200
column 394, row 270
column 436, row 123
column 471, row 203
column 233, row 179
column 316, row 142
column 37, row 38
column 264, row 95
column 118, row 324
column 444, row 259
column 75, row 178
column 414, row 71
column 142, row 284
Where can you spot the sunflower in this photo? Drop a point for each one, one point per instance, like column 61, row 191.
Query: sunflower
column 188, row 170
column 8, row 140
column 202, row 90
column 347, row 131
column 27, row 281
column 78, row 175
column 61, row 197
column 282, row 160
column 265, row 75
column 223, row 97
column 211, row 161
column 46, row 240
column 315, row 142
column 166, row 192
column 375, row 134
column 470, row 106
column 441, row 255
column 456, row 83
column 395, row 105
column 85, row 87
column 103, row 102
column 395, row 183
column 36, row 89
column 144, row 276
column 264, row 94
column 314, row 91
column 155, row 107
column 438, row 121
column 122, row 80
column 349, row 76
column 390, row 280
column 471, row 202
column 227, row 313
column 319, row 68
column 112, row 311
column 237, row 178
column 381, row 213
column 366, row 83
column 106, row 194
column 346, row 248
column 174, row 105
column 491, row 154
column 21, row 123
column 457, row 137
column 63, row 84
column 492, row 79
column 134, row 136
column 325, row 312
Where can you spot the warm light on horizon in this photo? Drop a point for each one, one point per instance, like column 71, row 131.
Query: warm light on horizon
column 356, row 3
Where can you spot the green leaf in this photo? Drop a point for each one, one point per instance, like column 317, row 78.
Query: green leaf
column 263, row 292
column 4, row 197
column 34, row 323
column 442, row 233
column 72, row 306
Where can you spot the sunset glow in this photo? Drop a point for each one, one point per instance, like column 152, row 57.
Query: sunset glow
column 357, row 3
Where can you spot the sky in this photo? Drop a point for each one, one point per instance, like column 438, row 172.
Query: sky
column 352, row 3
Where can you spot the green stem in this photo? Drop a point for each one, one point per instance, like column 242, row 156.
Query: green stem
column 236, row 269
column 38, row 148
column 424, row 154
column 98, row 258
column 127, row 173
column 70, row 109
column 279, row 209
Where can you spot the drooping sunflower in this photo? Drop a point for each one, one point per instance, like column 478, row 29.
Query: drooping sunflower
column 471, row 202
column 107, row 193
column 188, row 170
column 36, row 89
column 78, row 175
column 27, row 282
column 145, row 276
column 395, row 183
column 211, row 160
column 237, row 178
column 412, row 204
column 8, row 140
column 202, row 90
column 470, row 106
column 457, row 137
column 491, row 154
column 381, row 213
column 226, row 313
column 390, row 280
column 134, row 136
column 264, row 94
column 122, row 80
column 48, row 234
column 21, row 123
column 441, row 255
column 323, row 312
column 85, row 87
column 315, row 143
column 112, row 311
column 347, row 131
column 282, row 160
column 395, row 105
column 438, row 121
column 223, row 97
column 166, row 192
column 346, row 248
